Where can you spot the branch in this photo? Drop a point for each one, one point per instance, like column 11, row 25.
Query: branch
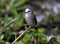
column 21, row 35
column 35, row 40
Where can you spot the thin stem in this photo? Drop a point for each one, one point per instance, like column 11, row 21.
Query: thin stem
column 21, row 35
column 35, row 41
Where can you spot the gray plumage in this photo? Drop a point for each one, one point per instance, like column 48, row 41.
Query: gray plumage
column 29, row 17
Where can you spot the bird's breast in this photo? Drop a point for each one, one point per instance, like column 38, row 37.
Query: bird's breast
column 30, row 19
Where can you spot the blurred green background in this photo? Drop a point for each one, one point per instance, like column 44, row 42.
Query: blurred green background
column 12, row 22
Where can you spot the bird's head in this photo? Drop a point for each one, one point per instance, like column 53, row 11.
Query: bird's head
column 28, row 10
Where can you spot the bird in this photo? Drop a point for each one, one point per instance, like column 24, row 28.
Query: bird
column 30, row 17
column 33, row 20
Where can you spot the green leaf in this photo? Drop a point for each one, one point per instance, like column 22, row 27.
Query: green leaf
column 41, row 30
column 26, row 38
column 12, row 21
column 6, row 19
column 21, row 2
column 58, row 39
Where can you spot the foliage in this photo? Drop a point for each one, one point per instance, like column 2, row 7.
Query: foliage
column 12, row 22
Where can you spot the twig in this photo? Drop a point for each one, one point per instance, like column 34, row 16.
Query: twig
column 21, row 35
column 35, row 41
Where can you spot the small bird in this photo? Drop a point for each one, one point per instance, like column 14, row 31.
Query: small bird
column 30, row 17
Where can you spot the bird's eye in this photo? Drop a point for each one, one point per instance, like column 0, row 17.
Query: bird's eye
column 28, row 11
